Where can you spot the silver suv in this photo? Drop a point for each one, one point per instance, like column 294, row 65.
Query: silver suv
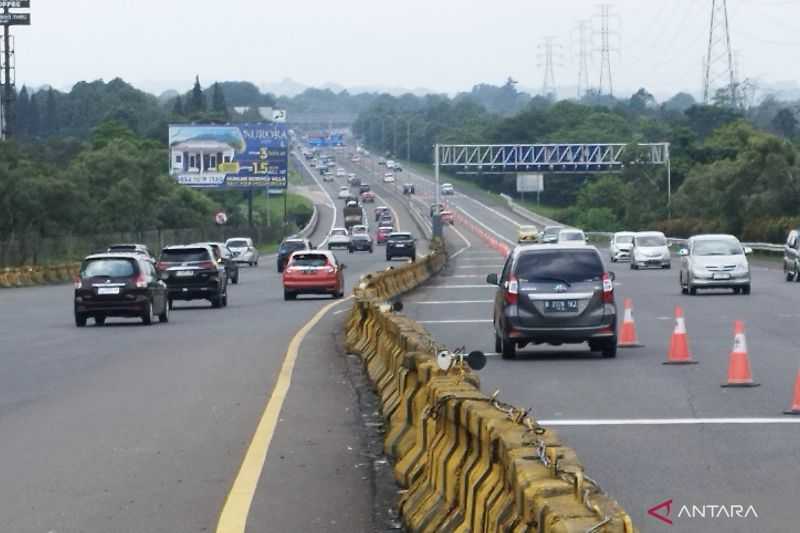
column 554, row 294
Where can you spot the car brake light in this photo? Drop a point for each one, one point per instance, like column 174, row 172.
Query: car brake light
column 329, row 269
column 141, row 282
column 207, row 264
column 77, row 283
column 512, row 290
column 608, row 289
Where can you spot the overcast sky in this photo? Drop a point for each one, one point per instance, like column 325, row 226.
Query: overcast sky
column 444, row 45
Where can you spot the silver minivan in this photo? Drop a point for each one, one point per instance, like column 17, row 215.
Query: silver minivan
column 714, row 262
column 650, row 249
column 554, row 294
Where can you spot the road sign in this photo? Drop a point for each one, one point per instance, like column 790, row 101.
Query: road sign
column 15, row 4
column 15, row 19
column 530, row 182
column 221, row 218
column 278, row 115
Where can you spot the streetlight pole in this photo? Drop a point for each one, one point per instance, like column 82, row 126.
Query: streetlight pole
column 669, row 183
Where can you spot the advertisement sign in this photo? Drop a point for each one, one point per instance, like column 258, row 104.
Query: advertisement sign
column 15, row 4
column 530, row 182
column 15, row 19
column 322, row 140
column 241, row 156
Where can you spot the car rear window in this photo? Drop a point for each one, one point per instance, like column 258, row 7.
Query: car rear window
column 185, row 255
column 624, row 239
column 110, row 268
column 122, row 248
column 240, row 243
column 309, row 260
column 567, row 265
column 651, row 240
column 400, row 237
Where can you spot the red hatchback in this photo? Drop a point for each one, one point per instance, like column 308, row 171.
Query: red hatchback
column 313, row 272
column 383, row 234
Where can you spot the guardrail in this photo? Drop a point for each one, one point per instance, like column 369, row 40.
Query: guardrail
column 311, row 227
column 468, row 462
column 38, row 275
column 544, row 221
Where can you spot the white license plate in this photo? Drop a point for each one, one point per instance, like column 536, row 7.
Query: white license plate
column 720, row 276
column 184, row 273
column 108, row 290
column 400, row 245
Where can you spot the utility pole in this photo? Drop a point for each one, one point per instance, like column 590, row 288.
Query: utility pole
column 606, row 79
column 720, row 72
column 549, row 81
column 9, row 96
column 584, row 39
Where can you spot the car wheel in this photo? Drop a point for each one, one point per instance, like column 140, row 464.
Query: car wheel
column 789, row 275
column 147, row 314
column 171, row 304
column 692, row 290
column 508, row 349
column 235, row 280
column 225, row 299
column 668, row 266
column 610, row 348
column 164, row 316
column 414, row 258
column 613, row 259
column 746, row 290
column 216, row 302
column 256, row 262
column 796, row 273
column 80, row 320
column 633, row 265
column 349, row 250
column 498, row 343
column 288, row 295
column 99, row 320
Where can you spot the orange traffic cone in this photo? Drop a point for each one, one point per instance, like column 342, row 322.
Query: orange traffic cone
column 627, row 335
column 795, row 409
column 739, row 374
column 679, row 343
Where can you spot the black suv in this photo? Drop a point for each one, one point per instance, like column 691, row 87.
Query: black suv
column 401, row 244
column 287, row 247
column 555, row 294
column 119, row 285
column 192, row 273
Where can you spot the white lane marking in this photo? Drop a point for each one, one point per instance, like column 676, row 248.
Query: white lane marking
column 340, row 311
column 482, row 321
column 464, row 249
column 486, row 286
column 452, row 302
column 668, row 421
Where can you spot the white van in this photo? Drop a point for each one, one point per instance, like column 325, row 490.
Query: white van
column 650, row 249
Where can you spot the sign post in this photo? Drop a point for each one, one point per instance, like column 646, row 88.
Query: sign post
column 8, row 19
column 530, row 183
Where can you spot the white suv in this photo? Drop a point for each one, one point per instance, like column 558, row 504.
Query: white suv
column 243, row 250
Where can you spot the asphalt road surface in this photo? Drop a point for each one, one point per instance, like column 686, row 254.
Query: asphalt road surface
column 665, row 450
column 126, row 428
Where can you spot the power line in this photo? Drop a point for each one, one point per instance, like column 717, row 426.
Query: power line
column 720, row 71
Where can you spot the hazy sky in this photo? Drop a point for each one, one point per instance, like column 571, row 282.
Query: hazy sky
column 445, row 45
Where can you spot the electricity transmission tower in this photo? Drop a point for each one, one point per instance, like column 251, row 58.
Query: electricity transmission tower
column 719, row 68
column 606, row 80
column 547, row 56
column 584, row 41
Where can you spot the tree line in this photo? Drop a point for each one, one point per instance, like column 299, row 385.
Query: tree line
column 733, row 170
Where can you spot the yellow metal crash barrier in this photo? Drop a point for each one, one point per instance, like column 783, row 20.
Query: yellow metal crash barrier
column 468, row 462
column 37, row 275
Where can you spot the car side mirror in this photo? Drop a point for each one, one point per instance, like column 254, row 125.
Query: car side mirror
column 748, row 250
column 683, row 252
column 491, row 279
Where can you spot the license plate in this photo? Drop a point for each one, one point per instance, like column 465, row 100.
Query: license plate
column 108, row 290
column 184, row 273
column 308, row 271
column 561, row 306
column 400, row 245
column 719, row 275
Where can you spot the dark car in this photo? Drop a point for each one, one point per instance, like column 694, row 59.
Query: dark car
column 192, row 273
column 119, row 285
column 401, row 244
column 364, row 188
column 361, row 242
column 408, row 189
column 555, row 294
column 140, row 249
column 224, row 257
column 287, row 247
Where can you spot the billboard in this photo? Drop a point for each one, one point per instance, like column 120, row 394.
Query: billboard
column 530, row 182
column 239, row 156
column 324, row 139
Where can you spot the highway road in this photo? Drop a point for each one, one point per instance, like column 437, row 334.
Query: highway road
column 646, row 432
column 126, row 428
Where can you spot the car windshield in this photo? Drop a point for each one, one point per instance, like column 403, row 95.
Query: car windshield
column 291, row 246
column 239, row 243
column 571, row 236
column 185, row 255
column 400, row 237
column 651, row 240
column 309, row 260
column 717, row 247
column 110, row 268
column 562, row 265
column 361, row 237
column 624, row 239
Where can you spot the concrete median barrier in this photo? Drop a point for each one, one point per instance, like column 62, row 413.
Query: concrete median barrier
column 30, row 276
column 467, row 461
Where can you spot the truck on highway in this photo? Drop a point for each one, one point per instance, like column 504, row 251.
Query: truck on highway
column 353, row 214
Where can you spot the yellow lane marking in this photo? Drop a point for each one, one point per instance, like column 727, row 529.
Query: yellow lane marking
column 233, row 518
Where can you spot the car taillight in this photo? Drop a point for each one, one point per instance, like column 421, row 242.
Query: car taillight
column 512, row 290
column 608, row 289
column 207, row 264
column 141, row 282
column 329, row 269
column 77, row 283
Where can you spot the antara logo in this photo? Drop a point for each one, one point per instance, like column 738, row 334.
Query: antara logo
column 663, row 511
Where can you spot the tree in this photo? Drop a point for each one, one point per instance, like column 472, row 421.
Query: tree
column 785, row 123
column 197, row 100
column 177, row 107
column 51, row 113
column 22, row 112
column 34, row 116
column 680, row 102
column 218, row 104
column 642, row 101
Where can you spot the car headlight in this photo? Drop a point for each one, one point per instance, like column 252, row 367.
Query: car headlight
column 700, row 273
column 741, row 270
